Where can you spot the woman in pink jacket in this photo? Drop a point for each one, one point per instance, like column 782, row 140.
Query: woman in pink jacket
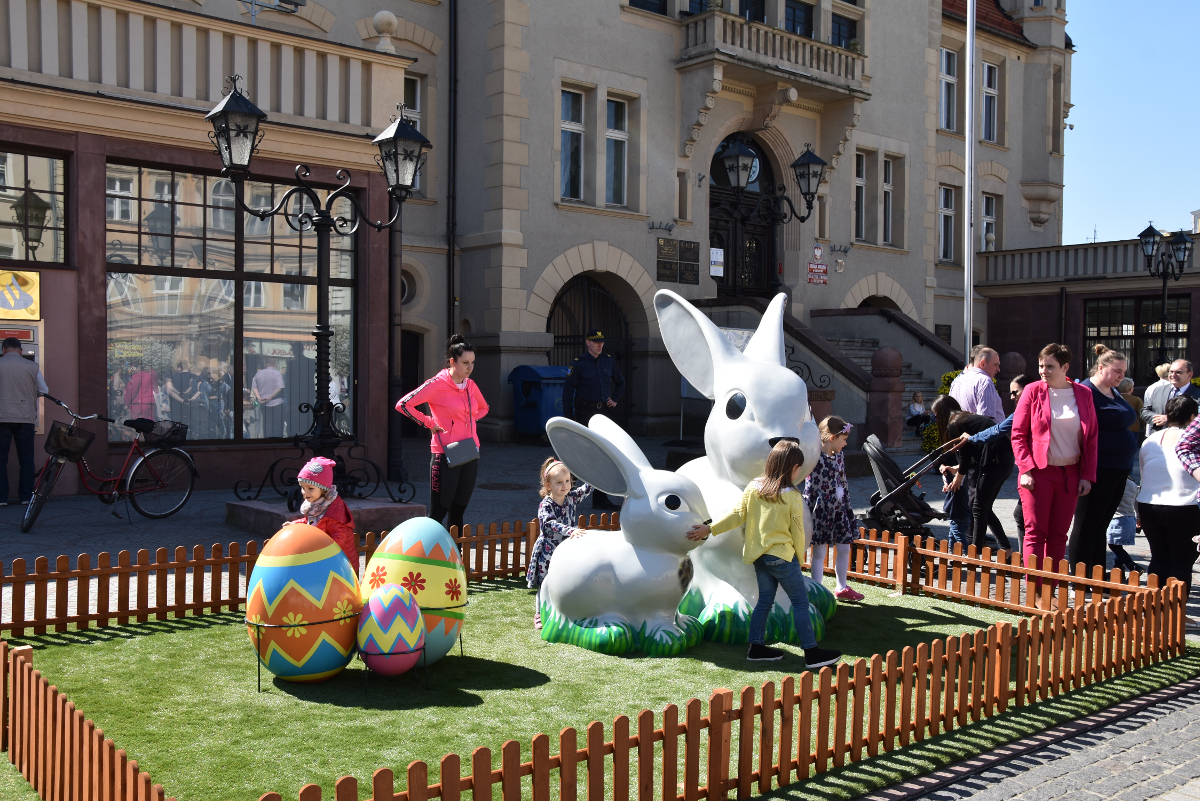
column 456, row 404
column 1054, row 438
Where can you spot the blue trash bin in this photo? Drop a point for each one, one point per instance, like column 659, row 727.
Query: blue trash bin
column 537, row 396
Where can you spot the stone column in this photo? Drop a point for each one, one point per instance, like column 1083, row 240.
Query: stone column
column 821, row 403
column 885, row 401
column 1012, row 364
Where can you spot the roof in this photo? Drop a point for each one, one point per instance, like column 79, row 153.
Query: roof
column 989, row 16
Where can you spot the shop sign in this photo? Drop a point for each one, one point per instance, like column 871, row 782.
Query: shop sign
column 818, row 273
column 20, row 295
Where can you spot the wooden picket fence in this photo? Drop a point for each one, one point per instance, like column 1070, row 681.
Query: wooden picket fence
column 773, row 735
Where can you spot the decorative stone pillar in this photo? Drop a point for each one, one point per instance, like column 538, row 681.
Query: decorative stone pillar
column 821, row 403
column 885, row 401
column 1012, row 364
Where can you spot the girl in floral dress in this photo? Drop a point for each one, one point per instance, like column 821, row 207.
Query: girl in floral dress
column 556, row 522
column 828, row 496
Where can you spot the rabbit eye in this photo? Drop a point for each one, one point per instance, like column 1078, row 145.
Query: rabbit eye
column 674, row 503
column 736, row 406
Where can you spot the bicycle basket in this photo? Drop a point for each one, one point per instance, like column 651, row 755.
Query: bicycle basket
column 167, row 434
column 65, row 441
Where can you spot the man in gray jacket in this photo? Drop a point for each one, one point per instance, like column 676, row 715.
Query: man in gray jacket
column 20, row 383
column 1179, row 382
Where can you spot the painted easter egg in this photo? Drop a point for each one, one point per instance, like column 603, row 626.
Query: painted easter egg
column 820, row 597
column 391, row 631
column 818, row 622
column 421, row 557
column 304, row 596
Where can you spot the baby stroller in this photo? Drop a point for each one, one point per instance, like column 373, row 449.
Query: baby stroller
column 895, row 507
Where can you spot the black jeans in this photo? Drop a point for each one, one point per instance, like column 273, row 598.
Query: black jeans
column 450, row 489
column 983, row 486
column 22, row 434
column 1169, row 530
column 1093, row 513
column 585, row 410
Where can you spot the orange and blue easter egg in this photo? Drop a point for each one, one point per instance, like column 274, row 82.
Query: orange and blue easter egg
column 421, row 557
column 302, row 605
column 391, row 631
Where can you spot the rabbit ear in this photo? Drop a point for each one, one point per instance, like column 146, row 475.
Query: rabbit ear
column 698, row 348
column 620, row 440
column 766, row 346
column 593, row 458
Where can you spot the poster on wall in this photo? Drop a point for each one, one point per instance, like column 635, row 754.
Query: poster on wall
column 716, row 262
column 20, row 295
column 818, row 273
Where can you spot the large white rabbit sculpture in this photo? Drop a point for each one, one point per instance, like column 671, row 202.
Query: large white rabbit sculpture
column 758, row 401
column 618, row 591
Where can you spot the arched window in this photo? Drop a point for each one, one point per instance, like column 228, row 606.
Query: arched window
column 122, row 291
column 222, row 200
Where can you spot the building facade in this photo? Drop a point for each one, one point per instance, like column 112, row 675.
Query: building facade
column 573, row 174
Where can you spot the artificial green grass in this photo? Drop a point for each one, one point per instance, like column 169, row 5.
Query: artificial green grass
column 180, row 696
column 13, row 786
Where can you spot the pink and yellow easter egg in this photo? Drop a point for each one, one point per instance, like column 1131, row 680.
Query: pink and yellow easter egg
column 302, row 605
column 391, row 631
column 421, row 557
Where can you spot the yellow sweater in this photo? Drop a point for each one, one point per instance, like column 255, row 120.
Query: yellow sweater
column 771, row 528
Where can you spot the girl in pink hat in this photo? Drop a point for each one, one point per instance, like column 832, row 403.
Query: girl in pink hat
column 324, row 509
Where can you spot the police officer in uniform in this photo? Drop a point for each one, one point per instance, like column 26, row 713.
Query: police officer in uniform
column 595, row 385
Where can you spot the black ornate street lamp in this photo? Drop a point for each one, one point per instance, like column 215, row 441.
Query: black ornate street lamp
column 29, row 213
column 773, row 205
column 1171, row 262
column 402, row 151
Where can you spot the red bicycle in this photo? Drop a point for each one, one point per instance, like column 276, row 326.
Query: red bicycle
column 156, row 480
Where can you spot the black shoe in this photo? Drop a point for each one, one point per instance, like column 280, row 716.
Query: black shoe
column 762, row 653
column 820, row 657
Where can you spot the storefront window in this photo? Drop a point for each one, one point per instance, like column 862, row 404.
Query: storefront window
column 1133, row 326
column 190, row 339
column 32, row 208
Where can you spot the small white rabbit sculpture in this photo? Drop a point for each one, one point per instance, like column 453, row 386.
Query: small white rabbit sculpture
column 618, row 591
column 758, row 401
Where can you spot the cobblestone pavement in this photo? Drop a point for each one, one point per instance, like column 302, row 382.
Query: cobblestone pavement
column 1150, row 754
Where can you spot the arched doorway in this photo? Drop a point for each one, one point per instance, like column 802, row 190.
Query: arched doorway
column 581, row 306
column 749, row 245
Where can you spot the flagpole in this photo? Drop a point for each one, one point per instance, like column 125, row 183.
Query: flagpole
column 968, row 202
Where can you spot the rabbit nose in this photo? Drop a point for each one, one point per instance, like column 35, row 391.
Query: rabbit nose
column 776, row 440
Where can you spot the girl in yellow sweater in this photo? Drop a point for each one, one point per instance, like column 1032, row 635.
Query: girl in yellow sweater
column 772, row 511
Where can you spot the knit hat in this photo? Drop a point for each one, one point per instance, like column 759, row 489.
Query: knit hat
column 317, row 473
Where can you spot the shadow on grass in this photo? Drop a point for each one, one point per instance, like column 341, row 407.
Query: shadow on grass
column 453, row 682
column 129, row 631
column 921, row 758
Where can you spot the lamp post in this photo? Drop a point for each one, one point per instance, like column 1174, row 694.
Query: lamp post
column 402, row 151
column 29, row 213
column 773, row 205
column 1171, row 262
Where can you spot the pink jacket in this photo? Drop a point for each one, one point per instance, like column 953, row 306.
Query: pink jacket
column 449, row 406
column 1031, row 429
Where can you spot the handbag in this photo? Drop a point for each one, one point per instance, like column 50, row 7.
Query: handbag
column 461, row 451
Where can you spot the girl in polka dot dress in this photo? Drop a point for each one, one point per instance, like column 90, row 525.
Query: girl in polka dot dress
column 828, row 495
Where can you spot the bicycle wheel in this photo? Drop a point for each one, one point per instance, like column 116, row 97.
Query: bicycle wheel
column 161, row 483
column 41, row 491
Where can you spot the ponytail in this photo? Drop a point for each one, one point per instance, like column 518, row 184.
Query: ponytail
column 456, row 346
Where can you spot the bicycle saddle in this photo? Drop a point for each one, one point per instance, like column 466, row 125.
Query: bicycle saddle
column 141, row 425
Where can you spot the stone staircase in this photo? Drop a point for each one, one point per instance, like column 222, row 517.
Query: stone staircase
column 860, row 350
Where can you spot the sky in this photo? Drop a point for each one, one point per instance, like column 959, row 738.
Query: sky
column 1134, row 155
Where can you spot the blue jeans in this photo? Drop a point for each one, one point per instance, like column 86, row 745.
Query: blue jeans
column 773, row 572
column 22, row 433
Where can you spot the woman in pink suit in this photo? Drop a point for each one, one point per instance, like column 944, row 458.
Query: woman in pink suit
column 1054, row 438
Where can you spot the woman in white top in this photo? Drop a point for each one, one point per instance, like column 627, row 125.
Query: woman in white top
column 1167, row 502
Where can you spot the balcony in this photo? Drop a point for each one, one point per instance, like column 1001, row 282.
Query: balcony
column 752, row 47
column 1061, row 263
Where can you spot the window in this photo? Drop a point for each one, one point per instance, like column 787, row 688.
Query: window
column 572, row 146
column 697, row 6
column 657, row 6
column 991, row 102
column 616, row 144
column 842, row 31
column 798, row 18
column 860, row 196
column 1132, row 326
column 887, row 201
column 948, row 97
column 990, row 204
column 205, row 324
column 753, row 10
column 32, row 208
column 945, row 223
column 412, row 103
